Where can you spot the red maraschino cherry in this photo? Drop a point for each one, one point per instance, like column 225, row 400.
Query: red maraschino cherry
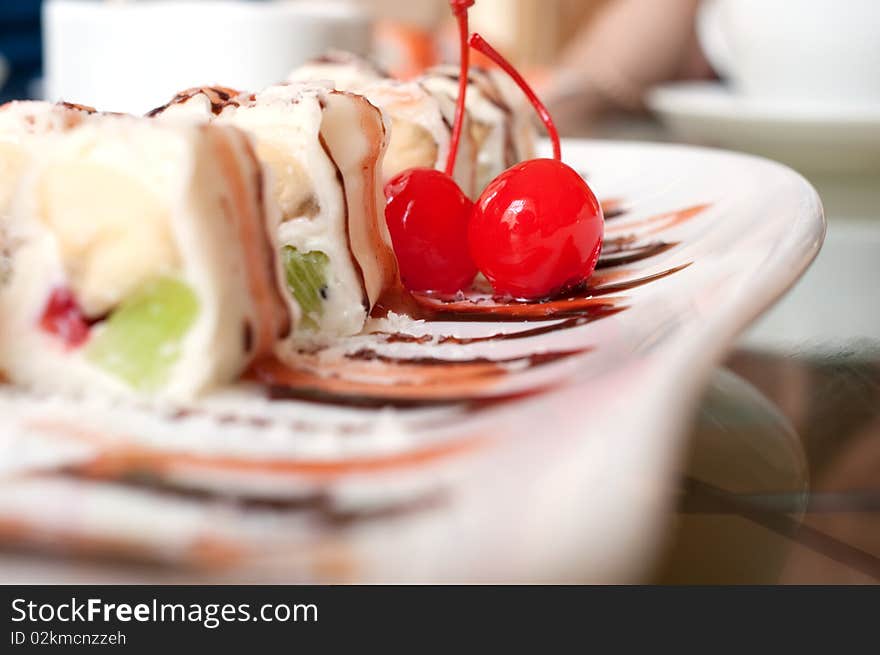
column 427, row 212
column 537, row 229
column 428, row 216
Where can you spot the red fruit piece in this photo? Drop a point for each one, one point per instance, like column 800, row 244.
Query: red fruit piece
column 63, row 318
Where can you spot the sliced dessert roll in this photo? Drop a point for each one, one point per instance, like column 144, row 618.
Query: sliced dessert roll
column 420, row 123
column 141, row 261
column 322, row 150
column 24, row 125
column 421, row 131
column 343, row 70
column 499, row 128
column 501, row 123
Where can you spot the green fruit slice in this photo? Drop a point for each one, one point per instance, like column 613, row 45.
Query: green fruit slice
column 307, row 280
column 140, row 341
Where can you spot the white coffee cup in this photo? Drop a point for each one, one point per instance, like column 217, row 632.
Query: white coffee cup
column 821, row 51
column 132, row 56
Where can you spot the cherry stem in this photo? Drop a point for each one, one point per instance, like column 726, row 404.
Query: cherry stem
column 479, row 44
column 460, row 9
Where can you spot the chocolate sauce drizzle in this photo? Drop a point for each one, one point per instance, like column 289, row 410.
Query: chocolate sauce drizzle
column 616, row 255
column 371, row 378
column 601, row 311
column 368, row 378
column 220, row 97
column 613, row 208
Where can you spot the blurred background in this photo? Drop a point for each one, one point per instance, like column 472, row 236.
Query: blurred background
column 408, row 34
column 784, row 480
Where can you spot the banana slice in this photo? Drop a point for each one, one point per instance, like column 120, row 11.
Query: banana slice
column 158, row 239
column 113, row 232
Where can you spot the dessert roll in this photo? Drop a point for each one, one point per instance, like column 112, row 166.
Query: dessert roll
column 499, row 129
column 198, row 102
column 322, row 151
column 342, row 70
column 24, row 125
column 421, row 133
column 420, row 123
column 140, row 262
column 501, row 123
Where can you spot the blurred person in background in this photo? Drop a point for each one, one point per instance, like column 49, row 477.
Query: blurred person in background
column 592, row 58
column 615, row 58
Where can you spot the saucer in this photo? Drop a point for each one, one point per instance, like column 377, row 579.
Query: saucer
column 827, row 137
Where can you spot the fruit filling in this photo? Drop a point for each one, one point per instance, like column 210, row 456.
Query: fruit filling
column 411, row 146
column 141, row 340
column 306, row 275
column 113, row 231
column 63, row 318
column 292, row 186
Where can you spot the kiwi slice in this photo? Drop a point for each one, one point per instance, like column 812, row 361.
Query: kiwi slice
column 140, row 341
column 307, row 280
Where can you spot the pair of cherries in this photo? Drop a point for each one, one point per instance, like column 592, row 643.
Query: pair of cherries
column 535, row 231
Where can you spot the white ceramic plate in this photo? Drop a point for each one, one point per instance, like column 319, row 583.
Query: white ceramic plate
column 552, row 456
column 836, row 137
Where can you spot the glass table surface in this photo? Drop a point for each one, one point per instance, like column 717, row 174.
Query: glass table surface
column 783, row 480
